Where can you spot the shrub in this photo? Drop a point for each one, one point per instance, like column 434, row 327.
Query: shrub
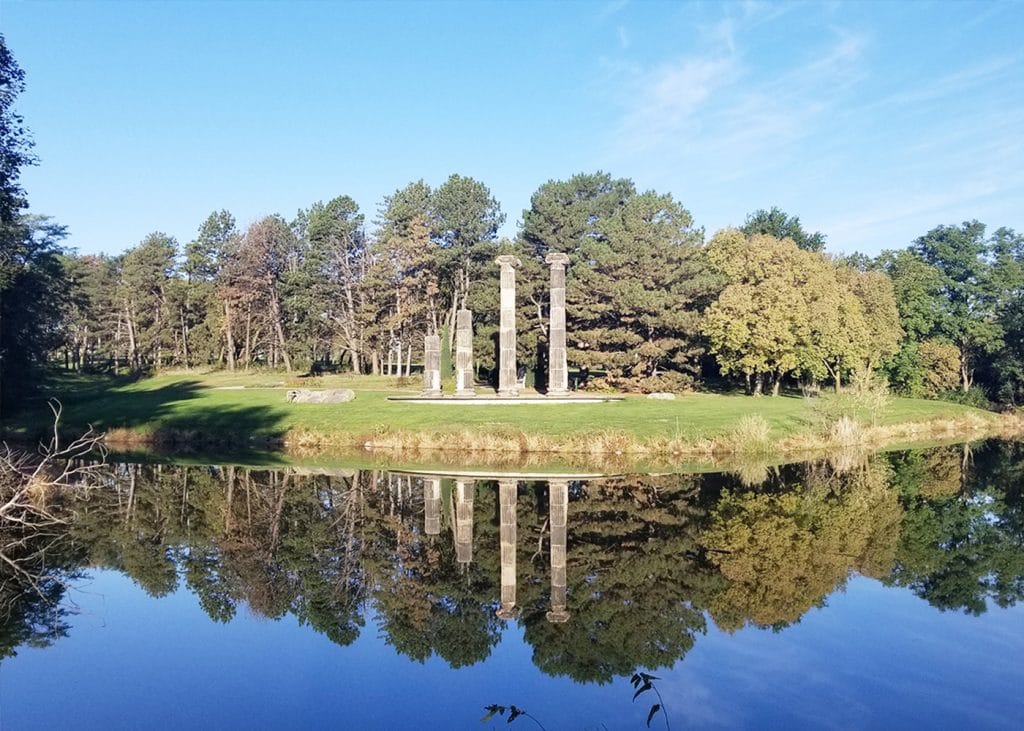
column 975, row 397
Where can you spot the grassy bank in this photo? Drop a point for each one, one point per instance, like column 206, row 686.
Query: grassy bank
column 249, row 410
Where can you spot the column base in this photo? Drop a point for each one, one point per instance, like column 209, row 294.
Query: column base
column 508, row 392
column 557, row 616
column 431, row 394
column 558, row 392
column 465, row 394
column 509, row 612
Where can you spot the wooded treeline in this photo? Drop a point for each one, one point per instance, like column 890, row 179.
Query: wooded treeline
column 651, row 304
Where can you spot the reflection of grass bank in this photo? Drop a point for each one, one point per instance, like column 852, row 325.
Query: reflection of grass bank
column 237, row 411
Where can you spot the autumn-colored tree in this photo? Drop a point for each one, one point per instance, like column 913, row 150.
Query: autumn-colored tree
column 251, row 285
column 784, row 310
column 760, row 324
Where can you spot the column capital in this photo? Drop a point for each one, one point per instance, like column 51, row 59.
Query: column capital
column 507, row 260
column 557, row 258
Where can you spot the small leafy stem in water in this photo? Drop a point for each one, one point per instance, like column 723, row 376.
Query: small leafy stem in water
column 514, row 712
column 643, row 683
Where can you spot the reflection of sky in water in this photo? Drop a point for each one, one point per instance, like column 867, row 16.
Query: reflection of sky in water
column 873, row 657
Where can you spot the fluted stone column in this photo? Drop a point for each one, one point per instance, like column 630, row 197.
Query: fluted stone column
column 464, row 521
column 508, row 384
column 464, row 353
column 558, row 367
column 558, row 514
column 432, row 506
column 432, row 365
column 507, row 497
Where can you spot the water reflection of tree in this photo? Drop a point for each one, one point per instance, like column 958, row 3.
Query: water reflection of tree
column 635, row 578
column 782, row 552
column 426, row 601
column 36, row 567
column 648, row 557
column 963, row 545
column 276, row 541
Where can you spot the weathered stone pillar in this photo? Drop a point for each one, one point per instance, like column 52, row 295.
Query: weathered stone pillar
column 507, row 497
column 464, row 521
column 508, row 384
column 464, row 353
column 558, row 513
column 432, row 506
column 558, row 367
column 432, row 365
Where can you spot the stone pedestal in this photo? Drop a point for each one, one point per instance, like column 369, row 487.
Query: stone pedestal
column 432, row 506
column 464, row 353
column 464, row 521
column 432, row 365
column 508, row 383
column 507, row 497
column 558, row 367
column 558, row 514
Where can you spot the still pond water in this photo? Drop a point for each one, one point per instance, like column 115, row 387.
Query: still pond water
column 881, row 594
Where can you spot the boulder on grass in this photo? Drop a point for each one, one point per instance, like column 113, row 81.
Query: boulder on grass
column 326, row 396
column 662, row 396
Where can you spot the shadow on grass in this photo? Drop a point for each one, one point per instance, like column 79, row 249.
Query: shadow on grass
column 159, row 418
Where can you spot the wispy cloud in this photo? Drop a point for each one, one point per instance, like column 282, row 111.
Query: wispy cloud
column 668, row 101
column 871, row 143
column 624, row 39
column 987, row 71
column 720, row 112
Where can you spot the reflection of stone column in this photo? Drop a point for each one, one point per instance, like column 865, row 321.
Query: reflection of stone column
column 558, row 367
column 507, row 495
column 432, row 365
column 558, row 513
column 464, row 521
column 432, row 506
column 464, row 353
column 508, row 383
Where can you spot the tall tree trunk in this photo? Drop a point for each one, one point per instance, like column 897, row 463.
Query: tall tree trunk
column 230, row 336
column 133, row 351
column 184, row 338
column 776, row 383
column 408, row 362
column 758, row 384
column 247, row 349
column 275, row 312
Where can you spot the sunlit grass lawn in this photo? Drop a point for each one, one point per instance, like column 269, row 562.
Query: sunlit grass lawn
column 253, row 406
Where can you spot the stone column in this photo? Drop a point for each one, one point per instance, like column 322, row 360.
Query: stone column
column 508, row 384
column 432, row 365
column 507, row 496
column 558, row 513
column 464, row 353
column 432, row 506
column 464, row 521
column 558, row 367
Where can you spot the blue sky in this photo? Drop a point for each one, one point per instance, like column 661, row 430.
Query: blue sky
column 873, row 122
